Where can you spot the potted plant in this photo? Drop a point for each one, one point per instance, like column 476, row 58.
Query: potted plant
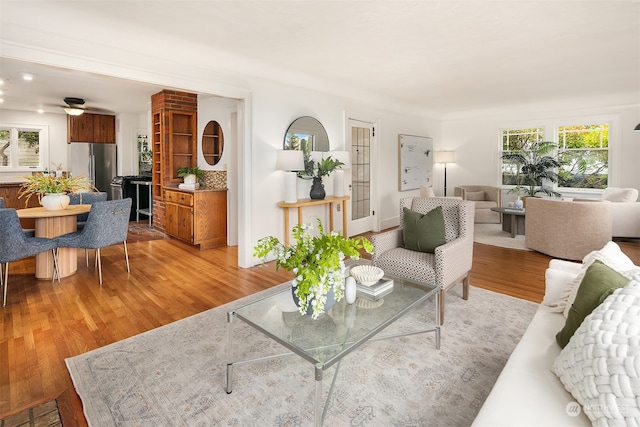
column 321, row 169
column 52, row 190
column 317, row 262
column 533, row 166
column 190, row 174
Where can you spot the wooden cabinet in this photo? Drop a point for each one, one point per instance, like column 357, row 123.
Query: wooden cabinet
column 156, row 155
column 9, row 192
column 197, row 217
column 182, row 142
column 99, row 128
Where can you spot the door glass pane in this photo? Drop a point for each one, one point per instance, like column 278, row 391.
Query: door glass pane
column 360, row 173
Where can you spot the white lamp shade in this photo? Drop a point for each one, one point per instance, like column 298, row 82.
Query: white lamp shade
column 290, row 160
column 342, row 156
column 445, row 157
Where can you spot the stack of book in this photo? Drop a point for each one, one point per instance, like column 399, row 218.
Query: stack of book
column 184, row 186
column 376, row 291
column 514, row 210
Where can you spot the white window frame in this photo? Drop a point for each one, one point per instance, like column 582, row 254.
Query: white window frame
column 43, row 155
column 550, row 129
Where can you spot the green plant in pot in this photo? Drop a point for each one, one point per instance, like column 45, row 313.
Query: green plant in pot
column 321, row 169
column 46, row 186
column 317, row 262
column 534, row 165
column 190, row 174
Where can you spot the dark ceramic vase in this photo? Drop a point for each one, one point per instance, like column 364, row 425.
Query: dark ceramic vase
column 331, row 300
column 317, row 189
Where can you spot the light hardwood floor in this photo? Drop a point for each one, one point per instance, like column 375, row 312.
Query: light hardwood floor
column 44, row 323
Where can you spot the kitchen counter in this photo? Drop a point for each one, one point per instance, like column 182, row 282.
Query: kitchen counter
column 199, row 190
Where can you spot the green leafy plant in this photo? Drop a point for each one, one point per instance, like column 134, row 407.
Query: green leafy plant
column 42, row 184
column 534, row 165
column 186, row 170
column 317, row 261
column 325, row 166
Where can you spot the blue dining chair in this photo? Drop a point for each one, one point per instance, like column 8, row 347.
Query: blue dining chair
column 86, row 198
column 14, row 245
column 107, row 224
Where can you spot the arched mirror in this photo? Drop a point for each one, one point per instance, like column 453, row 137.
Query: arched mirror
column 212, row 143
column 306, row 134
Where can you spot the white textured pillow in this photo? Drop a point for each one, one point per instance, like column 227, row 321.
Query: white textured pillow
column 613, row 194
column 610, row 255
column 600, row 366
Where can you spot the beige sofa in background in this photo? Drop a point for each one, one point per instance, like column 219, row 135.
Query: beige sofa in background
column 485, row 198
column 567, row 229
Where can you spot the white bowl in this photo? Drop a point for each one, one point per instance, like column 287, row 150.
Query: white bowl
column 366, row 274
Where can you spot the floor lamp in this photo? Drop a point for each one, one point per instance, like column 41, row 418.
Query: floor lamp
column 445, row 157
column 290, row 161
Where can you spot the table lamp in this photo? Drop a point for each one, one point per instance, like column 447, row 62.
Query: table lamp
column 290, row 161
column 338, row 174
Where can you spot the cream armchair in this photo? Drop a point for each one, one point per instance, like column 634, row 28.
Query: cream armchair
column 567, row 229
column 485, row 197
column 450, row 263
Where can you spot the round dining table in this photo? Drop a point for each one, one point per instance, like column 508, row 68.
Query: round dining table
column 52, row 224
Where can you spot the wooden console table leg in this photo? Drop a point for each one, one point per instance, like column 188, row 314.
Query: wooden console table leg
column 344, row 219
column 286, row 226
column 330, row 216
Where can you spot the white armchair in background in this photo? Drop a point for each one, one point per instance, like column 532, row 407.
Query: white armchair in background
column 625, row 211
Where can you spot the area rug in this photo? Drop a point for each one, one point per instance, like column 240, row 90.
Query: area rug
column 175, row 375
column 492, row 234
column 141, row 232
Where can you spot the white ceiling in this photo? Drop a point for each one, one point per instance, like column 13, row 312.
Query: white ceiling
column 438, row 56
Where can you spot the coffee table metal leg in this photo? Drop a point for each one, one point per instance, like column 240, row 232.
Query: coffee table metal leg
column 229, row 352
column 318, row 404
column 514, row 226
column 438, row 317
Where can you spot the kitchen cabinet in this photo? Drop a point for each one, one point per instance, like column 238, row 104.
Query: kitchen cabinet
column 197, row 217
column 10, row 191
column 93, row 128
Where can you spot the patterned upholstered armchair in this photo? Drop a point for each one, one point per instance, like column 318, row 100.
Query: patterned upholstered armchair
column 450, row 263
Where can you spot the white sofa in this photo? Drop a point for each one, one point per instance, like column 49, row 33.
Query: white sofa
column 625, row 211
column 527, row 392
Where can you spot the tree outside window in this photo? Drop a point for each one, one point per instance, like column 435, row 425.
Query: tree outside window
column 583, row 151
column 517, row 140
column 19, row 147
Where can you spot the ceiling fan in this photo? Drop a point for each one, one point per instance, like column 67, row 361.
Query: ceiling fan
column 76, row 107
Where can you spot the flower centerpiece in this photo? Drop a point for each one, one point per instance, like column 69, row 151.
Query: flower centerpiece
column 317, row 262
column 45, row 184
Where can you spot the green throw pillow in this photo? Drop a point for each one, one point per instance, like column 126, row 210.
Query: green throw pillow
column 598, row 283
column 423, row 232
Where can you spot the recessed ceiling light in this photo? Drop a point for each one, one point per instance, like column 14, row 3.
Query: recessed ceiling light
column 40, row 111
column 27, row 76
column 1, row 92
column 1, row 81
column 1, row 100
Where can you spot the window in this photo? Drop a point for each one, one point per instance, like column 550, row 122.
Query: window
column 583, row 151
column 517, row 140
column 20, row 147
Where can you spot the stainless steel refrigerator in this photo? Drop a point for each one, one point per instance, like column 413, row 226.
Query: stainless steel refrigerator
column 95, row 161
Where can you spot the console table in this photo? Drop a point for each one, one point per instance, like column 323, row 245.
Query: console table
column 301, row 203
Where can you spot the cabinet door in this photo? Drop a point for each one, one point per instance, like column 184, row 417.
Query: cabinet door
column 104, row 129
column 171, row 219
column 80, row 128
column 185, row 223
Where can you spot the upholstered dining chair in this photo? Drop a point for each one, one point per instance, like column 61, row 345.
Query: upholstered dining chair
column 107, row 224
column 15, row 245
column 86, row 198
column 447, row 264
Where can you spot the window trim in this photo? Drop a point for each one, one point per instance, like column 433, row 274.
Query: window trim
column 43, row 131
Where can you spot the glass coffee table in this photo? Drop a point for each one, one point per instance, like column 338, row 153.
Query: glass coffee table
column 351, row 325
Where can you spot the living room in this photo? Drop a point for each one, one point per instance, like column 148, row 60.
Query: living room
column 267, row 105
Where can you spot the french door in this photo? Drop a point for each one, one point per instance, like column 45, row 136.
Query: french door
column 361, row 137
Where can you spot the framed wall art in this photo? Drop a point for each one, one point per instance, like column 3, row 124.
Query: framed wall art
column 415, row 161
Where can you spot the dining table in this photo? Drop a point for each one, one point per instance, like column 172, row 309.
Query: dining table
column 52, row 224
